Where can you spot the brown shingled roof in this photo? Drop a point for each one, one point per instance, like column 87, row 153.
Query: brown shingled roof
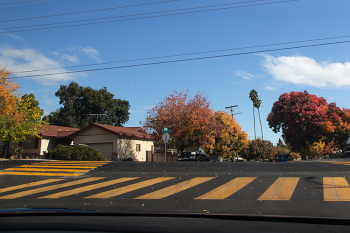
column 57, row 131
column 122, row 131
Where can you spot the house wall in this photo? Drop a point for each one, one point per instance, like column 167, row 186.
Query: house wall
column 127, row 148
column 26, row 152
column 123, row 147
column 96, row 135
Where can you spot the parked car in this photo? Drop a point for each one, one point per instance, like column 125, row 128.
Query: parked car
column 283, row 157
column 193, row 154
column 239, row 159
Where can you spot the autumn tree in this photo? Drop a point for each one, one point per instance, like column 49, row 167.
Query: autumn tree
column 259, row 150
column 231, row 139
column 19, row 117
column 80, row 103
column 300, row 116
column 336, row 127
column 191, row 121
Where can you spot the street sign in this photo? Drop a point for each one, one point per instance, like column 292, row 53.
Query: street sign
column 166, row 137
column 165, row 130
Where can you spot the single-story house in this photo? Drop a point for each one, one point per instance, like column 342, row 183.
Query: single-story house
column 51, row 135
column 116, row 143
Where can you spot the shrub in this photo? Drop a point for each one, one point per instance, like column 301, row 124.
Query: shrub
column 259, row 150
column 80, row 153
column 128, row 159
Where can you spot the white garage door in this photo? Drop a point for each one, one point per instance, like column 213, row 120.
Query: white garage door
column 105, row 148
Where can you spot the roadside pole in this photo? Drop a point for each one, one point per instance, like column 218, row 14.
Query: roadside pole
column 165, row 139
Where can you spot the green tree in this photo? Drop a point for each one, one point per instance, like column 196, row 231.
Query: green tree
column 79, row 103
column 257, row 104
column 253, row 95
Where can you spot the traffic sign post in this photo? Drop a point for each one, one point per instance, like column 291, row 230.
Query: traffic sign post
column 165, row 139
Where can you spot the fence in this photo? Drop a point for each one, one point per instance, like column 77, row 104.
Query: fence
column 157, row 157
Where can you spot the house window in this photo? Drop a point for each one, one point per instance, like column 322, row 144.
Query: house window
column 138, row 147
column 29, row 143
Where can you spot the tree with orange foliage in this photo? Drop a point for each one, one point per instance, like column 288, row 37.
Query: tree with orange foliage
column 231, row 139
column 337, row 126
column 191, row 121
column 18, row 116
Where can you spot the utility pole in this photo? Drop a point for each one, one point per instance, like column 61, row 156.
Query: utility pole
column 95, row 115
column 231, row 109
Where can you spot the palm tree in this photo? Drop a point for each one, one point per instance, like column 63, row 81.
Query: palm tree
column 253, row 95
column 257, row 104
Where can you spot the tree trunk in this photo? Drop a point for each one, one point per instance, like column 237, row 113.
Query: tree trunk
column 4, row 149
column 302, row 153
column 254, row 122
column 262, row 135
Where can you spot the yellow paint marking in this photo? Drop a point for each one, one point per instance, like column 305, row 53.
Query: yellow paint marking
column 39, row 174
column 73, row 162
column 281, row 190
column 21, row 186
column 52, row 166
column 336, row 189
column 227, row 189
column 129, row 188
column 88, row 188
column 165, row 192
column 48, row 188
column 67, row 164
column 45, row 170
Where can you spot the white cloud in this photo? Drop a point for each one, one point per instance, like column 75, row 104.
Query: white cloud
column 12, row 35
column 90, row 52
column 70, row 58
column 18, row 60
column 244, row 75
column 303, row 70
column 270, row 88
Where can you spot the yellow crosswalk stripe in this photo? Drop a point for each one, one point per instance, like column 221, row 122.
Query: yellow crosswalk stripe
column 336, row 189
column 88, row 188
column 129, row 188
column 175, row 188
column 227, row 189
column 281, row 190
column 53, row 166
column 21, row 186
column 72, row 161
column 49, row 188
column 39, row 174
column 46, row 170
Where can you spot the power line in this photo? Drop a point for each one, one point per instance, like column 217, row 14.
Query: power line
column 166, row 13
column 13, row 3
column 121, row 16
column 183, row 60
column 186, row 54
column 88, row 11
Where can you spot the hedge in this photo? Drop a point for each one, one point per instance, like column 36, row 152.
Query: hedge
column 78, row 153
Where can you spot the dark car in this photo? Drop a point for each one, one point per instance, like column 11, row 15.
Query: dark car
column 283, row 157
column 193, row 154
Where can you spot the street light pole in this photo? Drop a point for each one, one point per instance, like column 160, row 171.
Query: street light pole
column 231, row 109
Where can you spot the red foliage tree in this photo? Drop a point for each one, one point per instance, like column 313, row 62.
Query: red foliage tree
column 301, row 118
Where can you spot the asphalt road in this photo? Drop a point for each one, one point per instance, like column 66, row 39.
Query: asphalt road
column 315, row 189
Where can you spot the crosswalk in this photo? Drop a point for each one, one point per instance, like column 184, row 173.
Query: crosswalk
column 54, row 168
column 281, row 189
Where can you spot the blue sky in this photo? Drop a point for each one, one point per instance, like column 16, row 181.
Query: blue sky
column 321, row 70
